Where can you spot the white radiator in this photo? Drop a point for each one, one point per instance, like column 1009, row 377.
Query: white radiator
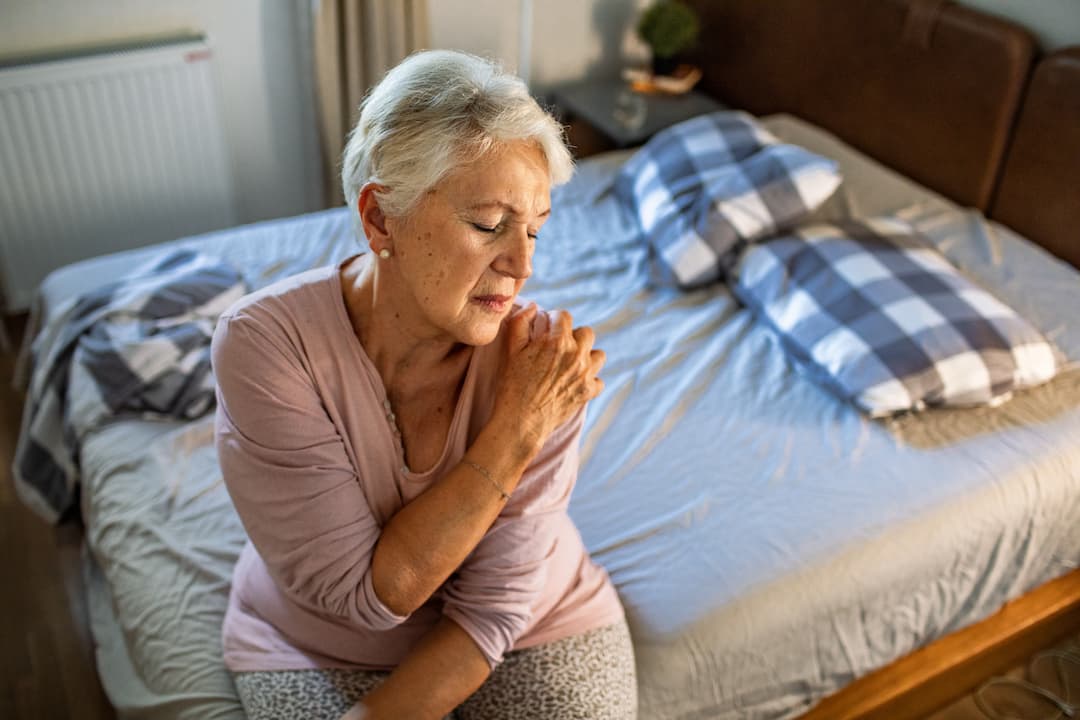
column 107, row 152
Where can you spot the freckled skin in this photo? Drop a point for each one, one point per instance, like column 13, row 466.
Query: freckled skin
column 456, row 261
column 442, row 260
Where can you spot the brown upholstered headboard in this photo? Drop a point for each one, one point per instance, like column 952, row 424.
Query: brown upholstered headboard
column 928, row 87
column 1039, row 193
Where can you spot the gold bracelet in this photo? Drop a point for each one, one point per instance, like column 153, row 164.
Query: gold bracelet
column 484, row 471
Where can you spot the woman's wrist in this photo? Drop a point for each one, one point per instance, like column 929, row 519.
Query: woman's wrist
column 518, row 442
column 486, row 474
column 504, row 452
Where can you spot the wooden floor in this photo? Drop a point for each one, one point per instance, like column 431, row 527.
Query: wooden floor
column 46, row 653
column 46, row 657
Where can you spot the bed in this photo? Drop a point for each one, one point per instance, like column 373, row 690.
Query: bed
column 771, row 544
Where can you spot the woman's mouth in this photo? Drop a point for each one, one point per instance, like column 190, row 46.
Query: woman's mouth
column 493, row 303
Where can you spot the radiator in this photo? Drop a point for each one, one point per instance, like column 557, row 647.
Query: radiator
column 106, row 152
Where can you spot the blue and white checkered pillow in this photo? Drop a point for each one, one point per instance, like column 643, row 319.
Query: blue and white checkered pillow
column 705, row 187
column 874, row 312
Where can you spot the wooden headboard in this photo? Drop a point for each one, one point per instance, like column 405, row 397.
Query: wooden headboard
column 927, row 87
column 1039, row 193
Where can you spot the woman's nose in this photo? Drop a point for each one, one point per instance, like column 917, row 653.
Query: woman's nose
column 516, row 260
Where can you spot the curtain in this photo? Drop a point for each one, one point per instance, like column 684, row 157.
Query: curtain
column 356, row 42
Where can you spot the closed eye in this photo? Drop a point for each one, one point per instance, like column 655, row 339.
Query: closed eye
column 495, row 228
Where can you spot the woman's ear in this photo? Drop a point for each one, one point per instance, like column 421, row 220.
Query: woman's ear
column 372, row 218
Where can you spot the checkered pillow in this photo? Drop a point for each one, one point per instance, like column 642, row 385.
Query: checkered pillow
column 705, row 187
column 874, row 312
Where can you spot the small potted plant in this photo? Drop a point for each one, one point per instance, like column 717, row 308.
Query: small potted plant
column 668, row 27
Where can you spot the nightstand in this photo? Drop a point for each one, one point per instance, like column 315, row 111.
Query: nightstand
column 588, row 108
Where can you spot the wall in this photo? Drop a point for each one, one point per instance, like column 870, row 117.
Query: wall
column 263, row 61
column 262, row 66
column 572, row 38
column 455, row 26
column 1056, row 23
column 595, row 38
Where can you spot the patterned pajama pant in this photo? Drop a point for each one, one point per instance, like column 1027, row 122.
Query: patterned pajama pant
column 589, row 676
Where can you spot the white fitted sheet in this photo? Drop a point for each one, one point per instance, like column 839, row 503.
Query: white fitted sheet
column 769, row 543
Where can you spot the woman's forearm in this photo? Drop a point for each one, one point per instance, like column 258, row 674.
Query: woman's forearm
column 435, row 677
column 431, row 536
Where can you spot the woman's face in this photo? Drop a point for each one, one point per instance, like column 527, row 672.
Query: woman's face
column 461, row 256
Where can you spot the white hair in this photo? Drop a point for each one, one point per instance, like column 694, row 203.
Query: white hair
column 435, row 110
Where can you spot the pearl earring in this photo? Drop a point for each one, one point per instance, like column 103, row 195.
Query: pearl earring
column 384, row 253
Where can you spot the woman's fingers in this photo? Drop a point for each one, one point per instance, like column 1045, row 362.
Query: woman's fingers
column 541, row 324
column 584, row 337
column 520, row 324
column 597, row 358
column 596, row 387
column 552, row 369
column 595, row 361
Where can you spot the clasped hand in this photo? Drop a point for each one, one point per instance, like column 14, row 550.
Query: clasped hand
column 549, row 371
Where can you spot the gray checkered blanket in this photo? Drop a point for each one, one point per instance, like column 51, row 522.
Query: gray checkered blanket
column 138, row 346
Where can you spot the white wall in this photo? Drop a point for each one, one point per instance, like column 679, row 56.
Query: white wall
column 262, row 67
column 570, row 38
column 594, row 38
column 488, row 28
column 263, row 61
column 1056, row 23
column 574, row 38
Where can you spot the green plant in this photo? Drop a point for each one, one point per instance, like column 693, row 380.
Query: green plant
column 669, row 27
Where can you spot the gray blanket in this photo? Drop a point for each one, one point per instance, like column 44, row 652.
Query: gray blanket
column 138, row 346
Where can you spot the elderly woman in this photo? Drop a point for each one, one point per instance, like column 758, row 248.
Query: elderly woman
column 399, row 437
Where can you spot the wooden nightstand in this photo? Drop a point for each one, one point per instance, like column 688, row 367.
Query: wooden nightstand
column 588, row 109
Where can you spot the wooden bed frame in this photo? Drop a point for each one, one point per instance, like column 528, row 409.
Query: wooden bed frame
column 961, row 102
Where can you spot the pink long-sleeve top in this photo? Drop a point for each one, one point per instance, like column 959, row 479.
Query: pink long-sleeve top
column 315, row 470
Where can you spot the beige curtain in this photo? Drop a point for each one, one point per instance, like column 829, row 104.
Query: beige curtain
column 356, row 42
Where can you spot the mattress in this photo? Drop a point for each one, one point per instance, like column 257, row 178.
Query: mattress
column 769, row 543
